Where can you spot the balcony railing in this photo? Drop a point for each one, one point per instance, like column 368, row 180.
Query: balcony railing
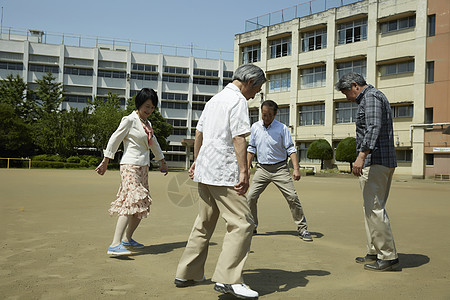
column 294, row 12
column 115, row 44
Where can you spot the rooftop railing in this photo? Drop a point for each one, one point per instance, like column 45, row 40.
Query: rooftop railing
column 294, row 12
column 115, row 44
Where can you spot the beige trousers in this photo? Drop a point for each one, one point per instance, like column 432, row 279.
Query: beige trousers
column 375, row 185
column 215, row 200
column 280, row 176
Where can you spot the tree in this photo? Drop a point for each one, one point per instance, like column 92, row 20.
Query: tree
column 320, row 149
column 105, row 118
column 161, row 128
column 15, row 134
column 47, row 129
column 346, row 151
column 74, row 131
column 13, row 91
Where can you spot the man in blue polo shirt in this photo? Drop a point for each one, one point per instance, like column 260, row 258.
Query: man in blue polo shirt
column 271, row 141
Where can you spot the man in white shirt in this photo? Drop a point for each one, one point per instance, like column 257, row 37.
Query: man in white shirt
column 221, row 170
column 272, row 143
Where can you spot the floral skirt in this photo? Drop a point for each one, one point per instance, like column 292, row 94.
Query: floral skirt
column 133, row 197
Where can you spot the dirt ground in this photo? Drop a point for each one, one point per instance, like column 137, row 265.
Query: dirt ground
column 55, row 229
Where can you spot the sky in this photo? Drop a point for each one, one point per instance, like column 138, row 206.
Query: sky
column 203, row 23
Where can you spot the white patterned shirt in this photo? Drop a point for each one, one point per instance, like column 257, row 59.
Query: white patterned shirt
column 225, row 116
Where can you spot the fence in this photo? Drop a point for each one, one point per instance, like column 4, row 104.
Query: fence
column 297, row 11
column 16, row 159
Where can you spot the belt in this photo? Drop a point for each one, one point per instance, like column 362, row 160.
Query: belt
column 280, row 162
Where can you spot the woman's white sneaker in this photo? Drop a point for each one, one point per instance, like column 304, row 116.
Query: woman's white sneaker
column 239, row 290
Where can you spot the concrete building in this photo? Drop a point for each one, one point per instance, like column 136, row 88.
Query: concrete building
column 391, row 43
column 91, row 68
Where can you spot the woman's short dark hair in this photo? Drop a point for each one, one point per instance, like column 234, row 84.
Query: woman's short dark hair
column 144, row 95
column 270, row 103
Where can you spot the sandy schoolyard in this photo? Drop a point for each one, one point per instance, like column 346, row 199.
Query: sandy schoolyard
column 55, row 230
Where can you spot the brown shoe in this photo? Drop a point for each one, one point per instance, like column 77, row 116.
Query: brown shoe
column 366, row 259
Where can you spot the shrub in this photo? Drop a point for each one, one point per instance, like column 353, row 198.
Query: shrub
column 320, row 149
column 94, row 161
column 346, row 151
column 73, row 159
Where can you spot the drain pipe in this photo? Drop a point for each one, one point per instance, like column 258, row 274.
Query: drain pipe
column 423, row 125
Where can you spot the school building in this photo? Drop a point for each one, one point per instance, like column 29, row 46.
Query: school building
column 185, row 78
column 399, row 46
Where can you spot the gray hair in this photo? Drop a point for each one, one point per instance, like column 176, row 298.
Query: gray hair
column 247, row 72
column 345, row 83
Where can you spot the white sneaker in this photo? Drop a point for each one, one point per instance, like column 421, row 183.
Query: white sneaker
column 239, row 290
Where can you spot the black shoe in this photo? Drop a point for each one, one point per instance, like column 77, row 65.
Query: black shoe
column 185, row 283
column 382, row 265
column 366, row 259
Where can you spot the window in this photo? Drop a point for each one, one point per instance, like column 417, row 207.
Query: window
column 402, row 111
column 206, row 81
column 77, row 98
column 174, row 105
column 302, row 149
column 283, row 115
column 429, row 116
column 78, row 62
column 254, row 116
column 175, row 148
column 251, row 54
column 431, row 25
column 314, row 40
column 177, row 79
column 179, row 131
column 78, row 71
column 346, row 112
column 175, row 70
column 313, row 77
column 404, row 155
column 194, row 123
column 429, row 159
column 357, row 66
column 44, row 68
column 280, row 47
column 143, row 76
column 44, row 59
column 103, row 64
column 352, row 32
column 397, row 68
column 11, row 66
column 198, row 106
column 430, row 72
column 228, row 74
column 144, row 68
column 201, row 98
column 111, row 74
column 312, row 114
column 203, row 72
column 395, row 25
column 175, row 157
column 280, row 82
column 176, row 122
column 226, row 82
column 174, row 96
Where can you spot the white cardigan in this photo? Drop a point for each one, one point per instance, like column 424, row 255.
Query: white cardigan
column 136, row 149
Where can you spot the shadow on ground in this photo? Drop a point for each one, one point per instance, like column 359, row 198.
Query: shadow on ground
column 412, row 260
column 315, row 235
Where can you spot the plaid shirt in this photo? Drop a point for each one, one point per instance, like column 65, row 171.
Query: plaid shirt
column 374, row 130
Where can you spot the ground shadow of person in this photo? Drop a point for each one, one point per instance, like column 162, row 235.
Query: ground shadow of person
column 315, row 235
column 412, row 260
column 268, row 281
column 161, row 248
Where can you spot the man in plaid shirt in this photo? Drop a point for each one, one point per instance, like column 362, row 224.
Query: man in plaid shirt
column 374, row 165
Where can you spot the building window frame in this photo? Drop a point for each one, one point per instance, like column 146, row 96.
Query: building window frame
column 313, row 77
column 312, row 114
column 398, row 24
column 352, row 32
column 402, row 111
column 314, row 40
column 283, row 115
column 346, row 112
column 396, row 68
column 357, row 66
column 253, row 115
column 280, row 47
column 431, row 25
column 403, row 155
column 280, row 82
column 430, row 72
column 251, row 54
